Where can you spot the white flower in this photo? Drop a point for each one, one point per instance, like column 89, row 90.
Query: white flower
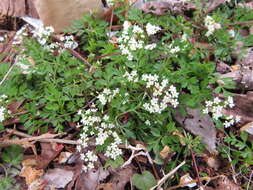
column 147, row 122
column 2, row 38
column 150, row 46
column 137, row 29
column 211, row 25
column 106, row 118
column 152, row 29
column 2, row 113
column 131, row 77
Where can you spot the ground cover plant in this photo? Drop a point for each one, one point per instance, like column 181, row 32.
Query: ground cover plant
column 125, row 90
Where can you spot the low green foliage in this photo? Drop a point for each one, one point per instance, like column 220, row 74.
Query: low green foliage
column 58, row 84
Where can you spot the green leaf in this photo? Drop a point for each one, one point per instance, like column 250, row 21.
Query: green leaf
column 144, row 181
column 115, row 163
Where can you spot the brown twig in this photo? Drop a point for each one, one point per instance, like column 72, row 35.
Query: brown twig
column 42, row 138
column 73, row 52
column 239, row 23
column 195, row 167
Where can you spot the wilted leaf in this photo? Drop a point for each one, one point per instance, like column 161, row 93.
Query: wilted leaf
column 248, row 128
column 160, row 7
column 29, row 172
column 67, row 11
column 243, row 107
column 199, row 124
column 121, row 176
column 165, row 152
column 144, row 181
column 48, row 153
column 58, row 177
column 18, row 8
column 213, row 4
column 186, row 179
column 90, row 179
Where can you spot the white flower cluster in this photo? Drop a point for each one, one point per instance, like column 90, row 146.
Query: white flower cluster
column 2, row 38
column 217, row 105
column 107, row 95
column 103, row 132
column 152, row 29
column 131, row 77
column 89, row 158
column 128, row 43
column 69, row 42
column 20, row 34
column 211, row 25
column 173, row 50
column 162, row 94
column 42, row 34
column 3, row 110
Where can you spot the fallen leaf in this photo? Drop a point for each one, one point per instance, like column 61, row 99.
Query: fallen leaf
column 248, row 5
column 106, row 186
column 213, row 4
column 248, row 128
column 161, row 7
column 58, row 177
column 121, row 176
column 29, row 172
column 201, row 125
column 90, row 180
column 18, row 8
column 226, row 184
column 48, row 153
column 243, row 107
column 14, row 107
column 186, row 179
column 165, row 152
column 64, row 156
column 61, row 13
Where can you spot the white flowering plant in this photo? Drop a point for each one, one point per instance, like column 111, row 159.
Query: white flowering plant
column 127, row 84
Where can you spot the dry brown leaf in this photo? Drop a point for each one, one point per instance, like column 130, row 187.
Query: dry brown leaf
column 248, row 5
column 14, row 107
column 226, row 184
column 213, row 4
column 61, row 13
column 91, row 179
column 48, row 153
column 58, row 177
column 64, row 156
column 29, row 172
column 121, row 177
column 243, row 107
column 248, row 128
column 160, row 7
column 201, row 125
column 186, row 179
column 18, row 8
column 106, row 186
column 165, row 152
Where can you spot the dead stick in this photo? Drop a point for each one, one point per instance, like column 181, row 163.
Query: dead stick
column 239, row 23
column 73, row 52
column 195, row 167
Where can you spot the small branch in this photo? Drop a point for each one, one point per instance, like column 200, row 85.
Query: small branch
column 195, row 167
column 239, row 23
column 42, row 138
column 162, row 181
column 73, row 52
column 7, row 74
column 248, row 185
